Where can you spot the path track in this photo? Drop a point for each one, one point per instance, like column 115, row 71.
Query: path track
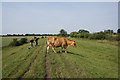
column 48, row 74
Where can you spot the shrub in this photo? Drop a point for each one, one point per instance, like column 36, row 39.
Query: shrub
column 63, row 33
column 42, row 37
column 15, row 42
column 118, row 37
column 83, row 31
column 92, row 36
column 99, row 36
column 86, row 35
column 78, row 35
column 23, row 40
column 74, row 34
column 82, row 35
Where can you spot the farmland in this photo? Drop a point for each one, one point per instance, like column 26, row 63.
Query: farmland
column 90, row 59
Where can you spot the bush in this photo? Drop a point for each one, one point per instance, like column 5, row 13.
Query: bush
column 63, row 33
column 15, row 42
column 83, row 31
column 82, row 35
column 42, row 37
column 118, row 37
column 78, row 35
column 99, row 36
column 23, row 40
column 86, row 35
column 91, row 36
column 74, row 34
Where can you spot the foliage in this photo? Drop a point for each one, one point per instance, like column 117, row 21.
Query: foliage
column 111, row 37
column 107, row 34
column 79, row 35
column 30, row 35
column 63, row 33
column 73, row 34
column 23, row 40
column 83, row 31
column 118, row 31
column 108, row 31
column 42, row 37
column 118, row 37
column 15, row 42
column 99, row 36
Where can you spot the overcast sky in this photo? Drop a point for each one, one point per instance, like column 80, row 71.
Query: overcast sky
column 50, row 17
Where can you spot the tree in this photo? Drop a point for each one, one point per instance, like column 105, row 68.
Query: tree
column 118, row 31
column 98, row 35
column 74, row 34
column 63, row 33
column 108, row 31
column 83, row 31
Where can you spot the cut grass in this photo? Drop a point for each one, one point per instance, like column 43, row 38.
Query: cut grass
column 89, row 59
column 57, row 67
column 7, row 40
column 37, row 69
column 15, row 65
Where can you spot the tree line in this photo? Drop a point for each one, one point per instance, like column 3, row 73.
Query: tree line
column 30, row 35
column 102, row 35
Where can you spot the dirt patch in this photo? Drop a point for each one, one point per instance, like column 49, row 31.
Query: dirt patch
column 48, row 74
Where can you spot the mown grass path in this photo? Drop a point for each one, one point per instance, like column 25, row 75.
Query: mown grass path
column 90, row 59
column 24, row 62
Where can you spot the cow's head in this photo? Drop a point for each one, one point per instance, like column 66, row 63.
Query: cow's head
column 73, row 44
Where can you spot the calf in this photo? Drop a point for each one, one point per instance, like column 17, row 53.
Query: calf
column 59, row 42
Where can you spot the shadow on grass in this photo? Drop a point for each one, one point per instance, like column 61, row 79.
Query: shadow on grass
column 71, row 53
column 75, row 54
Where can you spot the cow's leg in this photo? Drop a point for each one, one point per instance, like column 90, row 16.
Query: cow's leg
column 65, row 50
column 61, row 50
column 53, row 49
column 48, row 48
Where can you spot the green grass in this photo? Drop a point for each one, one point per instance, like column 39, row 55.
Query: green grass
column 38, row 67
column 7, row 40
column 17, row 60
column 90, row 59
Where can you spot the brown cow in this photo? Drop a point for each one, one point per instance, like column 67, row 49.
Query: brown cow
column 59, row 42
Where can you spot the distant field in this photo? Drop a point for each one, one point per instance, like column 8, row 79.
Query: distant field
column 90, row 59
column 6, row 40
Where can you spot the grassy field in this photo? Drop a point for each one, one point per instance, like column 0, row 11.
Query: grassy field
column 6, row 40
column 90, row 59
column 20, row 62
